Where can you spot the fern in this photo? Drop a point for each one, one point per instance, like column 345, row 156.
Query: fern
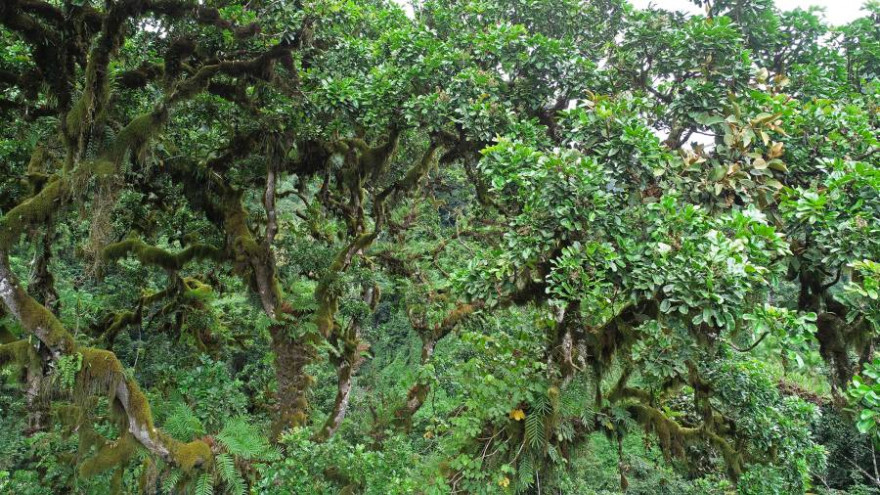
column 205, row 485
column 535, row 431
column 542, row 405
column 67, row 368
column 183, row 424
column 526, row 472
column 171, row 481
column 242, row 439
column 226, row 468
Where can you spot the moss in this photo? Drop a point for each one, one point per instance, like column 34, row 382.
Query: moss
column 674, row 438
column 76, row 118
column 414, row 175
column 116, row 481
column 121, row 320
column 6, row 336
column 38, row 158
column 102, row 168
column 20, row 353
column 98, row 363
column 197, row 290
column 139, row 408
column 137, row 133
column 114, row 454
column 69, row 416
column 33, row 211
column 36, row 169
column 99, row 375
column 37, row 319
column 195, row 454
column 151, row 255
column 149, row 475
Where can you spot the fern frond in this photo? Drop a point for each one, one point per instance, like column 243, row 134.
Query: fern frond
column 542, row 405
column 171, row 481
column 205, row 485
column 535, row 431
column 225, row 466
column 526, row 473
column 183, row 424
column 242, row 439
column 233, row 480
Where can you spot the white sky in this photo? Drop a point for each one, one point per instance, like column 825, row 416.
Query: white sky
column 836, row 11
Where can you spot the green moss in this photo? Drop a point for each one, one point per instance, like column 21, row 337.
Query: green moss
column 99, row 375
column 37, row 319
column 20, row 353
column 674, row 438
column 197, row 290
column 116, row 481
column 76, row 118
column 32, row 212
column 137, row 133
column 6, row 336
column 38, row 158
column 148, row 476
column 121, row 320
column 69, row 416
column 139, row 408
column 114, row 454
column 88, row 438
column 151, row 255
column 103, row 168
column 195, row 454
column 411, row 180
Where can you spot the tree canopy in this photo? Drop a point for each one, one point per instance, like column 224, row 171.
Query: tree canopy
column 470, row 246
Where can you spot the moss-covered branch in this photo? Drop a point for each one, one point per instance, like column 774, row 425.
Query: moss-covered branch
column 674, row 437
column 33, row 211
column 101, row 373
column 154, row 256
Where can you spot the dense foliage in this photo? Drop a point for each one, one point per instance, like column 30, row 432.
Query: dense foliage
column 474, row 246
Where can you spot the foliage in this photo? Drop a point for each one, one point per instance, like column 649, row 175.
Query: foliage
column 475, row 246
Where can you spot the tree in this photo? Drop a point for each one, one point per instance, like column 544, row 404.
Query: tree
column 655, row 227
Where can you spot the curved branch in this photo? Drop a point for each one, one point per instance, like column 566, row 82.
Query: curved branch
column 750, row 347
column 101, row 373
column 151, row 255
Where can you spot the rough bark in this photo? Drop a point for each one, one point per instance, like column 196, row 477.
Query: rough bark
column 346, row 366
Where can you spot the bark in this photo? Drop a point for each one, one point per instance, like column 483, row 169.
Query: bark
column 291, row 358
column 269, row 202
column 36, row 396
column 42, row 283
column 346, row 366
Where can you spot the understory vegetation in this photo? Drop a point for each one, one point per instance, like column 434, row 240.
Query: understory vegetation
column 446, row 247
